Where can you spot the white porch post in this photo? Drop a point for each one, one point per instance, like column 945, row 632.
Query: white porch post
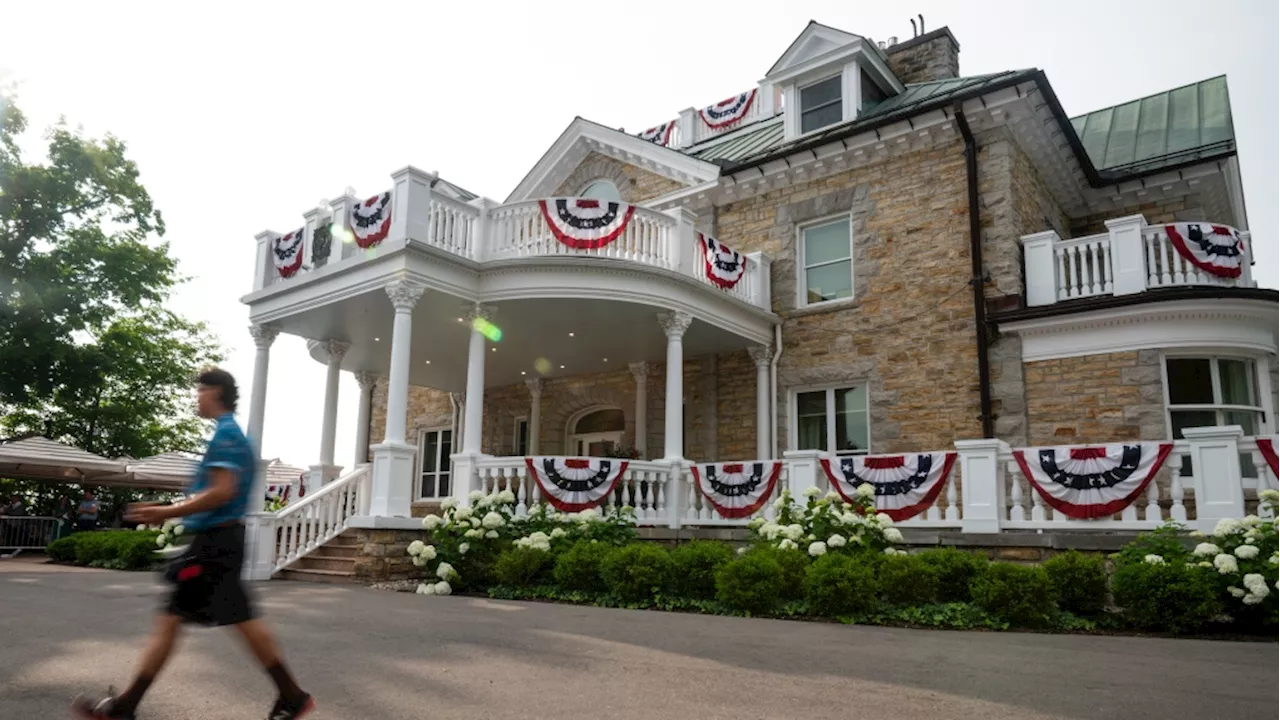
column 473, row 421
column 535, row 415
column 366, row 381
column 393, row 457
column 1128, row 254
column 674, row 324
column 326, row 471
column 982, row 486
column 641, row 372
column 1215, row 472
column 1041, row 267
column 259, row 528
column 761, row 355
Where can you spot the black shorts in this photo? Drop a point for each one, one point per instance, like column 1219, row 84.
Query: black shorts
column 206, row 579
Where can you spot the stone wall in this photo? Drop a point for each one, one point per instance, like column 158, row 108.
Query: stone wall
column 1096, row 399
column 383, row 555
column 932, row 56
column 634, row 184
column 428, row 408
column 736, row 406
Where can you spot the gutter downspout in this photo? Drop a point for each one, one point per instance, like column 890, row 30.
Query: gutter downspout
column 773, row 390
column 978, row 279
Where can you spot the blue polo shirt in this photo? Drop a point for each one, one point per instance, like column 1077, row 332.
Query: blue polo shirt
column 229, row 448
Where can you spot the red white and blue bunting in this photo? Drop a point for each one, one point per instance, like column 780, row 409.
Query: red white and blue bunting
column 725, row 266
column 727, row 112
column 371, row 220
column 660, row 134
column 1094, row 481
column 574, row 484
column 905, row 485
column 1267, row 447
column 586, row 223
column 737, row 490
column 1215, row 249
column 286, row 253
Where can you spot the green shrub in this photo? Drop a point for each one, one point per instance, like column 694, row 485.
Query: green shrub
column 113, row 549
column 64, row 549
column 579, row 567
column 1172, row 597
column 840, row 585
column 694, row 566
column 906, row 580
column 956, row 569
column 1079, row 582
column 521, row 566
column 753, row 583
column 1167, row 541
column 795, row 566
column 637, row 572
column 1016, row 594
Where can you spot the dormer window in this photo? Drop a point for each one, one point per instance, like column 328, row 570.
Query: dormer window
column 821, row 104
column 872, row 95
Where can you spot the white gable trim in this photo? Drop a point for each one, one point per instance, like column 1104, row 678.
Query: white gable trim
column 583, row 136
column 801, row 51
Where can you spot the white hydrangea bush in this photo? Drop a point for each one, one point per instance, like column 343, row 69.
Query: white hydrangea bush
column 826, row 523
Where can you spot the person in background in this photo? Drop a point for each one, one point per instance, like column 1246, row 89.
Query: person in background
column 15, row 508
column 87, row 513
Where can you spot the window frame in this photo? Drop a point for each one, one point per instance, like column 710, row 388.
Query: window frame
column 442, row 461
column 1259, row 384
column 520, row 421
column 802, row 266
column 588, row 185
column 839, row 101
column 829, row 389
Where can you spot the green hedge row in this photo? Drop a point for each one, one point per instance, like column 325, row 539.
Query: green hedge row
column 112, row 549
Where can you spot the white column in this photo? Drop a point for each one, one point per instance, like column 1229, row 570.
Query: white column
column 264, row 270
column 1041, row 268
column 762, row 355
column 326, row 471
column 684, row 125
column 982, row 484
column 259, row 530
column 641, row 372
column 263, row 337
column 366, row 381
column 393, row 457
column 674, row 324
column 1215, row 473
column 1128, row 256
column 535, row 415
column 473, row 421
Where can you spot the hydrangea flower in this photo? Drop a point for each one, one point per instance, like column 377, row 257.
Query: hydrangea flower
column 1153, row 560
column 475, row 521
column 1195, row 534
column 448, row 503
column 464, row 548
column 473, row 533
column 884, row 520
column 1275, row 558
column 536, row 510
column 755, row 523
column 769, row 530
column 1252, row 599
column 1256, row 584
column 558, row 533
column 162, row 540
column 817, row 549
column 1247, row 552
column 793, row 532
column 426, row 589
column 443, row 588
column 444, row 571
column 168, row 525
column 491, row 534
column 589, row 515
column 484, row 502
column 474, row 496
column 418, row 561
column 179, row 529
column 787, row 545
column 1225, row 527
column 1205, row 564
column 851, row 518
column 742, row 550
column 866, row 491
column 1250, row 521
column 1226, row 564
column 431, row 522
column 140, row 528
column 1269, row 496
column 462, row 513
column 506, row 497
column 1235, row 591
column 831, row 495
column 836, row 541
column 415, row 547
column 493, row 521
column 812, row 492
column 893, row 535
column 892, row 551
column 1206, row 550
column 428, row 552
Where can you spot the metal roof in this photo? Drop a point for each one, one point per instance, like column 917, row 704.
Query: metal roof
column 1186, row 123
column 742, row 142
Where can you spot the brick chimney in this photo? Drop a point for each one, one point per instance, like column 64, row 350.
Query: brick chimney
column 932, row 56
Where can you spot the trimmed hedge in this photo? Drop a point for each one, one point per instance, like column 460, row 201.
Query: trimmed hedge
column 1170, row 597
column 115, row 549
column 956, row 569
column 1079, row 581
column 637, row 572
column 907, row 580
column 580, row 567
column 522, row 566
column 694, row 566
column 841, row 585
column 753, row 583
column 1016, row 594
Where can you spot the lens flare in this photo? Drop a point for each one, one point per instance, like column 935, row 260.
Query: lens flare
column 542, row 365
column 487, row 329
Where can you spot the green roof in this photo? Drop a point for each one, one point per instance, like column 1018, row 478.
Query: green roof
column 1176, row 126
column 743, row 142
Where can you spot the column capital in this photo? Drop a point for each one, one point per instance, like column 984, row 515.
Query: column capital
column 366, row 380
column 335, row 349
column 640, row 370
column 675, row 323
column 761, row 355
column 459, row 397
column 404, row 295
column 481, row 312
column 535, row 387
column 263, row 335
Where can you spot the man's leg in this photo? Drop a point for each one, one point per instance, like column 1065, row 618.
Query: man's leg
column 156, row 654
column 263, row 645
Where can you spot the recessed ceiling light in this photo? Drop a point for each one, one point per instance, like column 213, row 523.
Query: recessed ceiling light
column 606, row 359
column 522, row 372
column 493, row 349
column 570, row 334
column 428, row 362
column 459, row 319
column 377, row 339
column 561, row 367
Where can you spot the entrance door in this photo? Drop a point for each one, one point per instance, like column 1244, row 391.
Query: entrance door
column 594, row 433
column 596, row 444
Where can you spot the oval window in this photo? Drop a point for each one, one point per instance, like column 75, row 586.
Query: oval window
column 602, row 190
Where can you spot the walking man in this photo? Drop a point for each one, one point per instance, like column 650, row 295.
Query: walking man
column 207, row 586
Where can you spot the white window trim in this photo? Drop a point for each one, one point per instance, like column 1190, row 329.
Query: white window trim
column 793, row 414
column 850, row 97
column 1261, row 385
column 418, row 496
column 571, row 438
column 802, row 287
column 800, row 109
column 515, row 433
column 589, row 183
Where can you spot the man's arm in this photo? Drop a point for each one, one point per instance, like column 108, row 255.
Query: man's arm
column 222, row 489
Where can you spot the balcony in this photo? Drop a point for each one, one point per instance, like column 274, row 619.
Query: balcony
column 1134, row 257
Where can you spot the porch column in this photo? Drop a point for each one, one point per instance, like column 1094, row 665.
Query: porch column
column 674, row 325
column 761, row 355
column 326, row 471
column 260, row 530
column 535, row 415
column 393, row 457
column 263, row 337
column 641, row 372
column 473, row 420
column 366, row 381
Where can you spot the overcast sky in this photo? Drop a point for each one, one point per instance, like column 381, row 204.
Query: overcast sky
column 243, row 115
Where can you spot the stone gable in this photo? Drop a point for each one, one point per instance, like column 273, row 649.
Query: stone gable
column 634, row 184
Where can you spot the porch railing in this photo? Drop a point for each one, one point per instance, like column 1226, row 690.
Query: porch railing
column 520, row 230
column 318, row 518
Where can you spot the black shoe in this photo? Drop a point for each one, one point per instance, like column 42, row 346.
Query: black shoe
column 290, row 710
column 101, row 707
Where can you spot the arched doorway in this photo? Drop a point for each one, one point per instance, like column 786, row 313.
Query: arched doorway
column 595, row 431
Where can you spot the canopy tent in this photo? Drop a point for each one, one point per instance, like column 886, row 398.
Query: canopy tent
column 171, row 470
column 39, row 458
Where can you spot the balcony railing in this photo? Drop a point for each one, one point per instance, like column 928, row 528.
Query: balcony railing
column 484, row 232
column 1131, row 257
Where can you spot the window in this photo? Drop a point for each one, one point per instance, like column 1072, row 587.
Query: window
column 833, row 420
column 827, row 261
column 601, row 190
column 1213, row 391
column 872, row 95
column 820, row 104
column 521, row 441
column 434, row 449
column 594, row 433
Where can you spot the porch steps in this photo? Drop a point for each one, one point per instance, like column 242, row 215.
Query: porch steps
column 331, row 563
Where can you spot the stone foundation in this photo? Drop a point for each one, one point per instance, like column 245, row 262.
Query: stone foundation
column 383, row 555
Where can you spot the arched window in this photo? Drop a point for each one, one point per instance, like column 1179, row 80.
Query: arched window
column 601, row 190
column 593, row 431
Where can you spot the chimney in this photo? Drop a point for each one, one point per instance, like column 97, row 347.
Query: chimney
column 934, row 55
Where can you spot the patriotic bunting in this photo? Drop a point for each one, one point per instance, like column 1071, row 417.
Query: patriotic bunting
column 1092, row 482
column 725, row 266
column 371, row 220
column 1267, row 447
column 1215, row 249
column 286, row 253
column 586, row 223
column 659, row 135
column 574, row 484
column 905, row 485
column 737, row 490
column 727, row 112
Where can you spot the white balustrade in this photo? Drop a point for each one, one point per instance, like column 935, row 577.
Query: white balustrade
column 1084, row 266
column 761, row 108
column 520, row 230
column 451, row 225
column 321, row 516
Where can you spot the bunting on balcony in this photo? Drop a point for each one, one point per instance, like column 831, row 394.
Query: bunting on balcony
column 659, row 135
column 371, row 220
column 286, row 253
column 737, row 490
column 586, row 223
column 1092, row 482
column 905, row 485
column 575, row 484
column 725, row 266
column 727, row 112
column 1215, row 249
column 1267, row 447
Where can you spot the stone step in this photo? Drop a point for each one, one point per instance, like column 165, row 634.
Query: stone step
column 337, row 550
column 331, row 577
column 312, row 562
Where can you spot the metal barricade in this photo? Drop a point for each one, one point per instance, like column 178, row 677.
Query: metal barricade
column 18, row 533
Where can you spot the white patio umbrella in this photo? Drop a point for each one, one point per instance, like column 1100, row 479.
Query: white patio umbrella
column 39, row 458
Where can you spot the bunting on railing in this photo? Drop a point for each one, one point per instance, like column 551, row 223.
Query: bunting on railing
column 586, row 223
column 1267, row 447
column 286, row 253
column 371, row 220
column 737, row 490
column 1092, row 482
column 727, row 112
column 660, row 134
column 1215, row 249
column 905, row 485
column 575, row 484
column 725, row 266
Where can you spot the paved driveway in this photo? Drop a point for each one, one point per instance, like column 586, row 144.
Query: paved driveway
column 368, row 655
